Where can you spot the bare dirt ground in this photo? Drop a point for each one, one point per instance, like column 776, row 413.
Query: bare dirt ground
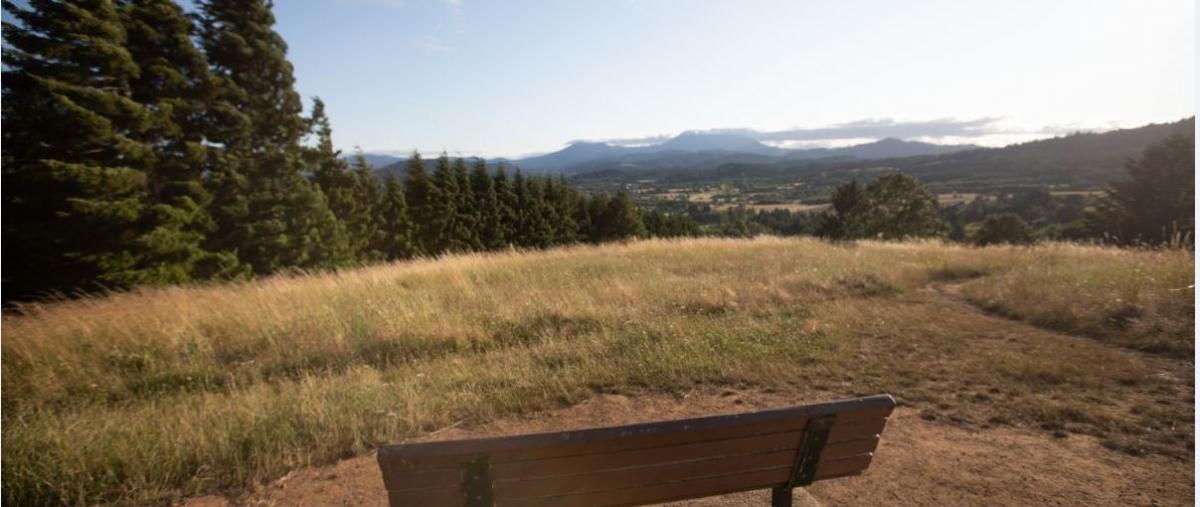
column 919, row 462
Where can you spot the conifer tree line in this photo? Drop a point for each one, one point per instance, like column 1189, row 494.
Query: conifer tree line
column 144, row 144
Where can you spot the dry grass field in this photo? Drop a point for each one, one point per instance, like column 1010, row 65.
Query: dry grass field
column 156, row 395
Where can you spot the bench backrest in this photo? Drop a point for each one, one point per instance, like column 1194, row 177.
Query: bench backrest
column 641, row 463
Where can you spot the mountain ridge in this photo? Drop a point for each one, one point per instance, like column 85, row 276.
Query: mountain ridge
column 582, row 156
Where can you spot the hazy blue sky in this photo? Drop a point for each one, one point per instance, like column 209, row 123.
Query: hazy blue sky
column 506, row 78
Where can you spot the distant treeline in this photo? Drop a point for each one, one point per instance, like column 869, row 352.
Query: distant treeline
column 1153, row 204
column 144, row 145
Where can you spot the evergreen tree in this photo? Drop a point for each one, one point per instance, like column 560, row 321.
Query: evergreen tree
column 583, row 219
column 453, row 235
column 507, row 218
column 175, row 84
column 73, row 156
column 846, row 206
column 563, row 200
column 350, row 197
column 1155, row 203
column 425, row 208
column 365, row 227
column 595, row 208
column 393, row 240
column 535, row 229
column 466, row 215
column 663, row 225
column 487, row 207
column 263, row 205
column 620, row 220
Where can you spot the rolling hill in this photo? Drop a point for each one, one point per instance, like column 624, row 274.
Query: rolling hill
column 152, row 396
column 1080, row 160
column 696, row 149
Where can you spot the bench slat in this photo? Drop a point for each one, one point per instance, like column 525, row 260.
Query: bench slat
column 644, row 457
column 855, row 430
column 841, row 467
column 442, row 497
column 641, row 476
column 664, row 492
column 849, row 448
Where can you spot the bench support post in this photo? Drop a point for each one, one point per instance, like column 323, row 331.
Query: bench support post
column 477, row 482
column 816, row 433
column 781, row 497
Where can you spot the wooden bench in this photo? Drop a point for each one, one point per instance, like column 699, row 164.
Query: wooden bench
column 643, row 463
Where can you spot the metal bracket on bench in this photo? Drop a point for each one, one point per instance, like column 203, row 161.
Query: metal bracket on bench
column 477, row 482
column 816, row 433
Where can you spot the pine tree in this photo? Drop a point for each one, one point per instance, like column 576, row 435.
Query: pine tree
column 466, row 215
column 263, row 205
column 536, row 226
column 620, row 220
column 595, row 208
column 393, row 240
column 454, row 233
column 365, row 227
column 507, row 218
column 425, row 208
column 563, row 200
column 583, row 218
column 847, row 203
column 487, row 207
column 73, row 160
column 350, row 197
column 174, row 83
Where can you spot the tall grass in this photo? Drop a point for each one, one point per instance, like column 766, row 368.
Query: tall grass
column 1141, row 299
column 157, row 393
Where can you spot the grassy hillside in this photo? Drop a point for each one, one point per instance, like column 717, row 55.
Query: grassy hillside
column 146, row 396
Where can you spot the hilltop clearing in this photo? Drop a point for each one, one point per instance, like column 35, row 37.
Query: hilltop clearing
column 161, row 394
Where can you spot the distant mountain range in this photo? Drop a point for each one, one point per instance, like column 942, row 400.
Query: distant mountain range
column 377, row 160
column 1082, row 159
column 695, row 149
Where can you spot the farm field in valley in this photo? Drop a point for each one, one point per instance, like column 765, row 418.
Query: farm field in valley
column 1081, row 355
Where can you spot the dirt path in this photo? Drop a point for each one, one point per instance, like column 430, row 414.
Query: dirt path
column 918, row 462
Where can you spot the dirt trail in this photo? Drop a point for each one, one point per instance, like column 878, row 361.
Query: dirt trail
column 918, row 462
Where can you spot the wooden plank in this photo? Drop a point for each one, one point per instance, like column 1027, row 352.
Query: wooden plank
column 396, row 480
column 397, row 461
column 441, row 497
column 520, row 446
column 644, row 457
column 843, row 466
column 640, row 476
column 849, row 448
column 664, row 492
column 856, row 430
